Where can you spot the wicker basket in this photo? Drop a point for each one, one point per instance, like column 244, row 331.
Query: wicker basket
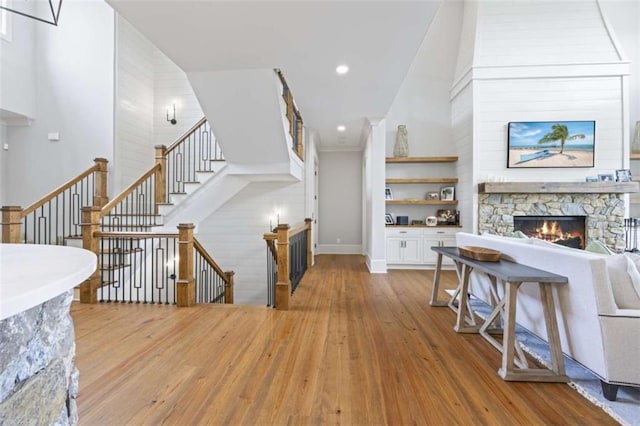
column 480, row 253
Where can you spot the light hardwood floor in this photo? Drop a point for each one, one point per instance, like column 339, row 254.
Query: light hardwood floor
column 355, row 348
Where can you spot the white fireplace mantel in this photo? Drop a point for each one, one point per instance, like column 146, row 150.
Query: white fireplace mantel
column 558, row 187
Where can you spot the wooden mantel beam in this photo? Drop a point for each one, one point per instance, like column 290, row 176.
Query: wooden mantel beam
column 558, row 187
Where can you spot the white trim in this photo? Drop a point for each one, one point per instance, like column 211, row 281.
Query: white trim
column 376, row 266
column 6, row 33
column 339, row 249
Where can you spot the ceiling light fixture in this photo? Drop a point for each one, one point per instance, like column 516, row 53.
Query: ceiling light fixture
column 341, row 128
column 342, row 69
column 54, row 9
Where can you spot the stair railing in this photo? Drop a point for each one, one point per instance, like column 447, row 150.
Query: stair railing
column 152, row 268
column 197, row 151
column 288, row 258
column 57, row 215
column 296, row 123
column 136, row 208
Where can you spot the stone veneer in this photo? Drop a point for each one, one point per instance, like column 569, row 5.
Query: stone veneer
column 604, row 212
column 38, row 377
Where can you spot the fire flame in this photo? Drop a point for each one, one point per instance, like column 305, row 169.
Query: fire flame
column 551, row 231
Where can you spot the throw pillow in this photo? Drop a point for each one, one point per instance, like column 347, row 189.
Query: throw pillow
column 622, row 286
column 596, row 246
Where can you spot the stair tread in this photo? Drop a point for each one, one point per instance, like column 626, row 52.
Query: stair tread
column 178, row 193
column 205, row 171
column 165, row 204
column 190, row 181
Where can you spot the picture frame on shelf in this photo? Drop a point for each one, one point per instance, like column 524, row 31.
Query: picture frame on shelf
column 447, row 193
column 417, row 222
column 388, row 195
column 388, row 219
column 433, row 196
column 607, row 177
column 447, row 217
column 623, row 175
column 591, row 179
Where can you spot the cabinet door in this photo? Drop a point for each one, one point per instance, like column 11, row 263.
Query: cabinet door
column 394, row 250
column 429, row 256
column 412, row 250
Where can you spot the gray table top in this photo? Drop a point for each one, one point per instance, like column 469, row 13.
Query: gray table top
column 503, row 269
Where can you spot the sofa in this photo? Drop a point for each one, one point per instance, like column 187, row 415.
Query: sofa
column 598, row 311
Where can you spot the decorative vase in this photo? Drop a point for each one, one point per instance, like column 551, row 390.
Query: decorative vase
column 635, row 142
column 401, row 148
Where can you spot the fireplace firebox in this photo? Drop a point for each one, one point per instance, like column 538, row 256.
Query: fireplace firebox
column 564, row 230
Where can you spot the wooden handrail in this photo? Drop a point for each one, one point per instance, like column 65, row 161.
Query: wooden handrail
column 299, row 229
column 50, row 196
column 113, row 203
column 205, row 254
column 185, row 135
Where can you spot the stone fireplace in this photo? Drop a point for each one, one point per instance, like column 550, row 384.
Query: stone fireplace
column 600, row 203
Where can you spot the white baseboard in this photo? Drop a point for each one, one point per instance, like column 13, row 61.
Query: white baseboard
column 376, row 266
column 339, row 249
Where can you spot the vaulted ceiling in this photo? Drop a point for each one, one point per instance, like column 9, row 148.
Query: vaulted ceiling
column 306, row 40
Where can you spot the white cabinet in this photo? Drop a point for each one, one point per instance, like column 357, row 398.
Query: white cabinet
column 412, row 246
column 437, row 238
column 404, row 246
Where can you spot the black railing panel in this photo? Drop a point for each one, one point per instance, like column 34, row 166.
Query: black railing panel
column 139, row 269
column 60, row 217
column 297, row 258
column 196, row 152
column 210, row 285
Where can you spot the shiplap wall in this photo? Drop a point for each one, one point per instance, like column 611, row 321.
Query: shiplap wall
column 147, row 83
column 462, row 129
column 172, row 86
column 530, row 33
column 501, row 101
column 233, row 234
column 134, row 153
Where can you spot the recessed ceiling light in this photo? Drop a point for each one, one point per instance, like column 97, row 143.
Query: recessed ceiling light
column 341, row 128
column 342, row 69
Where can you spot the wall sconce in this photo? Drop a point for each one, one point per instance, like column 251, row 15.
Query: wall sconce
column 172, row 120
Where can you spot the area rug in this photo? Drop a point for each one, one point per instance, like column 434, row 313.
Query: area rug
column 625, row 410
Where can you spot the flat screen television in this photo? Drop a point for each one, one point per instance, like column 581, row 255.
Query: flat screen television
column 533, row 144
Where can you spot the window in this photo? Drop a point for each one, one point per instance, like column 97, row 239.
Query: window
column 5, row 21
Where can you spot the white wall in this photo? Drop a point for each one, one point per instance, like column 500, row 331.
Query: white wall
column 171, row 85
column 74, row 86
column 340, row 193
column 17, row 68
column 233, row 234
column 134, row 105
column 3, row 164
column 147, row 82
column 423, row 105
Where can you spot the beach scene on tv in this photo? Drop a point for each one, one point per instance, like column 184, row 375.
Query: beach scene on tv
column 551, row 144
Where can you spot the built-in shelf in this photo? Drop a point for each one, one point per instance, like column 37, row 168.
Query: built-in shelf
column 558, row 187
column 423, row 202
column 422, row 180
column 635, row 156
column 448, row 159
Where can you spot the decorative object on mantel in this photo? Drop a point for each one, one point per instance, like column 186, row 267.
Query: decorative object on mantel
column 555, row 144
column 635, row 142
column 623, row 175
column 401, row 147
column 480, row 253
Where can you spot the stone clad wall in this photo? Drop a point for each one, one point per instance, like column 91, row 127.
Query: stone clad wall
column 38, row 377
column 604, row 212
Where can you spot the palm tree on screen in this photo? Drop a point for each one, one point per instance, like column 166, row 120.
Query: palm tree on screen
column 559, row 132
